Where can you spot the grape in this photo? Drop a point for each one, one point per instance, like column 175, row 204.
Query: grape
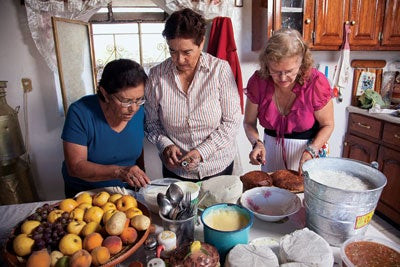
column 46, row 236
column 44, row 216
column 45, row 224
column 37, row 236
column 39, row 244
column 59, row 228
column 39, row 210
column 61, row 233
column 47, row 230
column 39, row 229
column 46, row 206
column 38, row 217
column 63, row 220
column 65, row 215
column 54, row 235
column 31, row 217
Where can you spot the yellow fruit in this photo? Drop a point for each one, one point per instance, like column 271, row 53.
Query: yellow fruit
column 115, row 225
column 93, row 214
column 132, row 212
column 68, row 204
column 84, row 197
column 75, row 227
column 126, row 202
column 90, row 227
column 140, row 222
column 22, row 245
column 100, row 198
column 77, row 214
column 54, row 215
column 108, row 206
column 84, row 206
column 195, row 246
column 28, row 226
column 114, row 197
column 69, row 244
column 107, row 215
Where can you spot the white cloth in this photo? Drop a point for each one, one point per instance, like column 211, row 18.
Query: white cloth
column 274, row 159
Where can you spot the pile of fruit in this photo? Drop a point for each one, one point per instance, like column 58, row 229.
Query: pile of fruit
column 84, row 231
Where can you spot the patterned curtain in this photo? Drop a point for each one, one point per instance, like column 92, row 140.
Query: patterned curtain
column 39, row 14
column 208, row 8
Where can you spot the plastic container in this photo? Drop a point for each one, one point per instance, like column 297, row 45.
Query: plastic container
column 339, row 214
column 225, row 240
column 346, row 261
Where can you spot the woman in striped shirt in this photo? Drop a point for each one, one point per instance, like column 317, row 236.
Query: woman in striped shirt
column 192, row 108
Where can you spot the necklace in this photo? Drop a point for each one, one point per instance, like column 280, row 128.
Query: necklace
column 283, row 111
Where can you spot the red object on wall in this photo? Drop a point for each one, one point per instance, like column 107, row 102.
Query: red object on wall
column 222, row 45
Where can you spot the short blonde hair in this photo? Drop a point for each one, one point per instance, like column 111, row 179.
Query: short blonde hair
column 286, row 43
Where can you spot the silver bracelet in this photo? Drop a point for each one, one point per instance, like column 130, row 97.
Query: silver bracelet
column 311, row 150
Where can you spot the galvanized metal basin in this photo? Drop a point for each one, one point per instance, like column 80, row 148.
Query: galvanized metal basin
column 338, row 214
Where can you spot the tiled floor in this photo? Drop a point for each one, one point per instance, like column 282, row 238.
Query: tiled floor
column 385, row 228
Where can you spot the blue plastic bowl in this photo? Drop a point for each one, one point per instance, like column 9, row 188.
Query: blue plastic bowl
column 225, row 240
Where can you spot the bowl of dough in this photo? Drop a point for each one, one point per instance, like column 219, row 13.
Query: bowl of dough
column 270, row 204
column 150, row 192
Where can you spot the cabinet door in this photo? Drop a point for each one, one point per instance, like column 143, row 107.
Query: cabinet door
column 330, row 16
column 359, row 149
column 288, row 14
column 366, row 21
column 389, row 164
column 391, row 24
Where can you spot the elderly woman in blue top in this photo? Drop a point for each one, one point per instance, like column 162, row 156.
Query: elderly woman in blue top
column 103, row 134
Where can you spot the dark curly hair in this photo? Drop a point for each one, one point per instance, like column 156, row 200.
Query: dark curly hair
column 286, row 43
column 121, row 73
column 185, row 24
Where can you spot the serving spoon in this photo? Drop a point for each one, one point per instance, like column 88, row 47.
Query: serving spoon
column 174, row 194
column 164, row 204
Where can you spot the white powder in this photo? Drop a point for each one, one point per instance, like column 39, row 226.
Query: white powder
column 339, row 179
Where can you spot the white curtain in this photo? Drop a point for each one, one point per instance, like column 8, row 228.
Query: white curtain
column 39, row 14
column 208, row 8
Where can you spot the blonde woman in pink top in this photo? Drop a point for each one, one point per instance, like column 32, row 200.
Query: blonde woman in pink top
column 292, row 101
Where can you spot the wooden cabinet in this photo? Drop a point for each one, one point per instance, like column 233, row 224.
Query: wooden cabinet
column 374, row 23
column 369, row 139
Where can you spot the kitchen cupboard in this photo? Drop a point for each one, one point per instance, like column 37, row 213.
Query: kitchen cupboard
column 374, row 23
column 371, row 139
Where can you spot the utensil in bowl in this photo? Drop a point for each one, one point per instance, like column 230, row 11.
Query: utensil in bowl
column 174, row 194
column 270, row 204
column 164, row 204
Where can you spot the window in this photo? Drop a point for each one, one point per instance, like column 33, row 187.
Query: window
column 132, row 32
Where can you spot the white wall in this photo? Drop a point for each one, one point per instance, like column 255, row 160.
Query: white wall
column 19, row 58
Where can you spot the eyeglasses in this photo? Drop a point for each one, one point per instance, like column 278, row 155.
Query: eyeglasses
column 288, row 73
column 126, row 103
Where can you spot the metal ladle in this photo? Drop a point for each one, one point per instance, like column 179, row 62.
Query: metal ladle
column 164, row 204
column 174, row 194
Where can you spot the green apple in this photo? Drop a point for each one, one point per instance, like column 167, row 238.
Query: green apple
column 63, row 262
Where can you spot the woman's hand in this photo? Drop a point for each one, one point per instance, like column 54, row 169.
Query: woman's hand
column 257, row 155
column 304, row 157
column 134, row 176
column 191, row 160
column 171, row 155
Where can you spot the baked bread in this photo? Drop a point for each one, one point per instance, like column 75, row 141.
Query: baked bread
column 289, row 180
column 195, row 254
column 255, row 179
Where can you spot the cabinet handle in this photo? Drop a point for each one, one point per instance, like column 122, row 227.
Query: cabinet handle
column 363, row 125
column 345, row 143
column 397, row 136
column 308, row 21
column 352, row 23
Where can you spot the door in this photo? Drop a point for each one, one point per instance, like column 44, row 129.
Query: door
column 389, row 164
column 359, row 149
column 366, row 22
column 391, row 24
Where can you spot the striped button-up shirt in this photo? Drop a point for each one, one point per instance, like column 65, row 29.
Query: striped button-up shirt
column 205, row 118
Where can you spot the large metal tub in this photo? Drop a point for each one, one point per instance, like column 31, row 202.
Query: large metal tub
column 338, row 214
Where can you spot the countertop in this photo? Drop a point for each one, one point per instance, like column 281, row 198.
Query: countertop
column 380, row 116
column 12, row 214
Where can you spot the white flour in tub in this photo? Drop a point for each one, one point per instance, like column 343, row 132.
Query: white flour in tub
column 339, row 179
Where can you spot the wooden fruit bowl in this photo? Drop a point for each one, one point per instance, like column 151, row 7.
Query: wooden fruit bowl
column 15, row 261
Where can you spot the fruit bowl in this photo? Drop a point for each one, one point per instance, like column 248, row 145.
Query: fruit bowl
column 11, row 259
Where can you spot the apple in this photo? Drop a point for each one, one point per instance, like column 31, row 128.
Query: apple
column 132, row 212
column 63, row 262
column 108, row 206
column 22, row 245
column 77, row 214
column 55, row 255
column 107, row 215
column 114, row 197
column 54, row 215
column 93, row 214
column 84, row 206
column 75, row 227
column 101, row 198
column 126, row 202
column 84, row 197
column 90, row 227
column 28, row 226
column 67, row 204
column 69, row 244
